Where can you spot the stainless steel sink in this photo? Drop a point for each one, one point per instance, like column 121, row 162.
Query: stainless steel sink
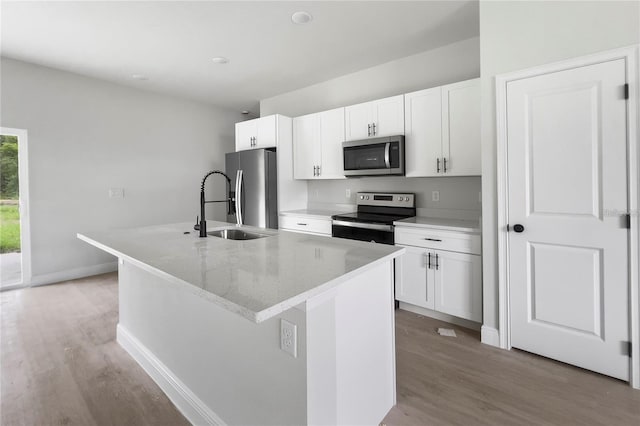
column 235, row 234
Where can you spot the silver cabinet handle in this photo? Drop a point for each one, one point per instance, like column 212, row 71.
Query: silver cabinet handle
column 432, row 239
column 369, row 130
column 429, row 264
column 437, row 261
column 318, row 170
column 239, row 197
column 444, row 161
column 374, row 128
column 437, row 165
column 301, row 224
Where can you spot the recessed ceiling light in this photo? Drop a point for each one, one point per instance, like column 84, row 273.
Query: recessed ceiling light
column 219, row 60
column 301, row 18
column 139, row 77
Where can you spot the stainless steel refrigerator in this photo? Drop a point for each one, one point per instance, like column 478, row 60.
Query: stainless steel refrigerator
column 254, row 182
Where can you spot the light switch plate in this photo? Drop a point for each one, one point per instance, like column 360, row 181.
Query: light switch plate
column 116, row 192
column 435, row 195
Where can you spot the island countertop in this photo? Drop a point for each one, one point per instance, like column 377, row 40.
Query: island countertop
column 257, row 278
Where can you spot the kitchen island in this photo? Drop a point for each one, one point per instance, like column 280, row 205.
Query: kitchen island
column 203, row 317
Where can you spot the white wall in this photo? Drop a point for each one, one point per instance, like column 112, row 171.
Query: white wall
column 455, row 62
column 86, row 136
column 519, row 35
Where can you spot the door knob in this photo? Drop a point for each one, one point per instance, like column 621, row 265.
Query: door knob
column 518, row 228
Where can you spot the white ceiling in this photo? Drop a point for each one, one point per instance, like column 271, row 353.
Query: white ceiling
column 172, row 43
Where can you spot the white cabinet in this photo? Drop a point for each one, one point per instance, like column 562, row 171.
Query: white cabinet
column 458, row 284
column 305, row 224
column 442, row 130
column 384, row 117
column 414, row 279
column 317, row 145
column 257, row 133
column 461, row 128
column 441, row 270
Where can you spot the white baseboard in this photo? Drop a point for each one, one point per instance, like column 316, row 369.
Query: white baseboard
column 490, row 336
column 182, row 397
column 440, row 316
column 72, row 274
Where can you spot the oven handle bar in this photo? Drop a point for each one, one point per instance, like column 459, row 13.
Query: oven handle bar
column 377, row 227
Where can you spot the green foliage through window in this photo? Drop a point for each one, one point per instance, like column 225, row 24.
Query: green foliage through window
column 8, row 167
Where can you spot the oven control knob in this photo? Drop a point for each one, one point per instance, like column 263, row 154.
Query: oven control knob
column 366, row 198
column 399, row 198
column 362, row 197
column 406, row 198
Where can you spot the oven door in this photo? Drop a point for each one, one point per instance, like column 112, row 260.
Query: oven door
column 371, row 232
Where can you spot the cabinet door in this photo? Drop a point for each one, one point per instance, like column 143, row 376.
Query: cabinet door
column 266, row 132
column 461, row 128
column 458, row 284
column 305, row 145
column 414, row 280
column 245, row 131
column 358, row 119
column 331, row 138
column 423, row 132
column 388, row 116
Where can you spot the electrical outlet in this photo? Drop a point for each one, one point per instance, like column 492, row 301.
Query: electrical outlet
column 288, row 338
column 435, row 195
column 116, row 192
column 347, row 193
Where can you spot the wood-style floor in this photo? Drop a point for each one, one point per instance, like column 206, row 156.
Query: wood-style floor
column 61, row 365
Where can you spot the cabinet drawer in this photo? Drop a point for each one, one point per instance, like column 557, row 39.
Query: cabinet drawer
column 305, row 224
column 438, row 239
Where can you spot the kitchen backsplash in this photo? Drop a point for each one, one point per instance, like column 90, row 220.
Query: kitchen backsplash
column 459, row 197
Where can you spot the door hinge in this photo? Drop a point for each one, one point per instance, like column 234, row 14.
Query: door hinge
column 626, row 90
column 628, row 221
column 626, row 348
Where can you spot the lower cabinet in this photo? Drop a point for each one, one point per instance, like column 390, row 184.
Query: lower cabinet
column 305, row 224
column 445, row 281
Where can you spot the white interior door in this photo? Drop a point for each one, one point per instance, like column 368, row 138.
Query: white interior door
column 567, row 187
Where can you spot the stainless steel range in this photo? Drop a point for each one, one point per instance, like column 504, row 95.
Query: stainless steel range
column 375, row 216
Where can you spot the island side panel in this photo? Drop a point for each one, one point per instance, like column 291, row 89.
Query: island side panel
column 351, row 350
column 231, row 365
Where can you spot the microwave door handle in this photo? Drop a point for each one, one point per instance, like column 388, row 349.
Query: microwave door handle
column 387, row 148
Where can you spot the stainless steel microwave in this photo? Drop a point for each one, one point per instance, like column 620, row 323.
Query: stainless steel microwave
column 374, row 157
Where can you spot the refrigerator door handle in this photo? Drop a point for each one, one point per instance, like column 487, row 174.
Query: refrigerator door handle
column 239, row 197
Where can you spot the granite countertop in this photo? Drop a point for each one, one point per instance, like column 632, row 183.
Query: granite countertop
column 258, row 278
column 440, row 223
column 312, row 213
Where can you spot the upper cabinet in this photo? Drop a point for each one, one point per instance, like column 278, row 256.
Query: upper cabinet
column 317, row 145
column 257, row 133
column 461, row 128
column 383, row 117
column 442, row 130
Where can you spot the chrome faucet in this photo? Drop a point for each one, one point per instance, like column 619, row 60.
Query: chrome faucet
column 202, row 224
